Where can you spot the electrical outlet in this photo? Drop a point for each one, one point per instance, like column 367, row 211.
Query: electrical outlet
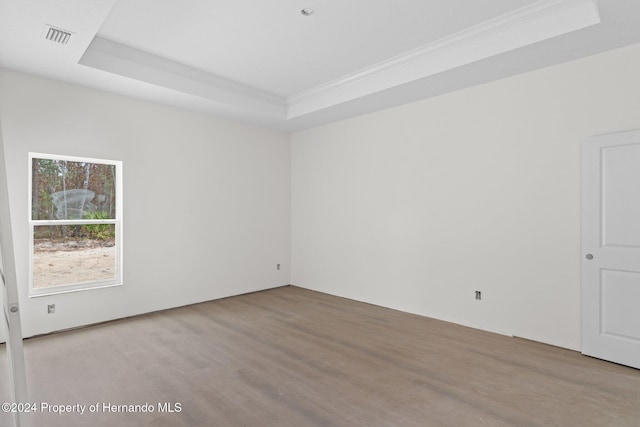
column 51, row 308
column 277, row 266
column 478, row 295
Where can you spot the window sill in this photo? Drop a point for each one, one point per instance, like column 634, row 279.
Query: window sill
column 56, row 290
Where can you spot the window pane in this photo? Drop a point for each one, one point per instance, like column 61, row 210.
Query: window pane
column 72, row 254
column 63, row 189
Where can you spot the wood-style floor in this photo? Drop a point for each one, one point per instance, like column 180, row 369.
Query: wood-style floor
column 293, row 357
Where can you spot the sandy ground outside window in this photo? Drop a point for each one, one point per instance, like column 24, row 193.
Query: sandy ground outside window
column 72, row 262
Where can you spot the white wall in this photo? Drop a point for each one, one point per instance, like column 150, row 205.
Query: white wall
column 215, row 225
column 414, row 207
column 418, row 206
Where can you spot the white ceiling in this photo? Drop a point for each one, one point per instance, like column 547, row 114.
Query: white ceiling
column 265, row 63
column 271, row 46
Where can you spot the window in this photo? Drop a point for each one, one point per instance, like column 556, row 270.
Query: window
column 75, row 223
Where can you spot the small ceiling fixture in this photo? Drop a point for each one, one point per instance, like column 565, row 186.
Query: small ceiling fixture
column 307, row 11
column 56, row 35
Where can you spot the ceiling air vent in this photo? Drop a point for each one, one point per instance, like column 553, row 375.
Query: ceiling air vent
column 56, row 34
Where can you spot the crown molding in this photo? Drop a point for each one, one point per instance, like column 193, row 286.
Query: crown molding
column 113, row 57
column 539, row 21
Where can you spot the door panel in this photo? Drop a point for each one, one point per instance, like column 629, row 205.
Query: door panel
column 620, row 167
column 611, row 247
column 620, row 293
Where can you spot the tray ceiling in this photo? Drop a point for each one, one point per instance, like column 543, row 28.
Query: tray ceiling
column 267, row 63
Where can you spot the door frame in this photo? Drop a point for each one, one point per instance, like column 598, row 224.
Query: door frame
column 11, row 306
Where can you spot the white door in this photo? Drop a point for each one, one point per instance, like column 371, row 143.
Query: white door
column 10, row 308
column 611, row 247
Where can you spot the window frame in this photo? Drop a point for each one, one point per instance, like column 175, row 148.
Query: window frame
column 117, row 222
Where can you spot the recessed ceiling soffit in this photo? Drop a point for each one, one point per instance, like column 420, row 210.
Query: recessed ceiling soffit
column 534, row 23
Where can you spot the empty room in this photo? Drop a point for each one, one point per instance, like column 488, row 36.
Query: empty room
column 320, row 213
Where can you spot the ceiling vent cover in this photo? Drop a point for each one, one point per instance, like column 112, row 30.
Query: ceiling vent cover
column 57, row 35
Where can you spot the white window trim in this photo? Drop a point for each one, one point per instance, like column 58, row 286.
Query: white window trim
column 76, row 287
